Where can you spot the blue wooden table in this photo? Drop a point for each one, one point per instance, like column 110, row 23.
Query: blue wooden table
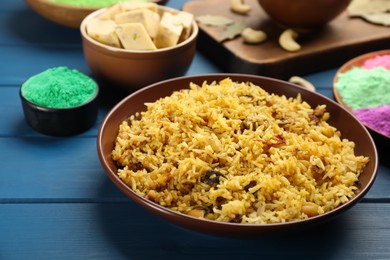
column 57, row 203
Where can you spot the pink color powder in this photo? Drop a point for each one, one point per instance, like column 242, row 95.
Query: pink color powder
column 377, row 118
column 378, row 61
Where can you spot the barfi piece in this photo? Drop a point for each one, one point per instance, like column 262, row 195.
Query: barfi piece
column 134, row 36
column 169, row 31
column 103, row 31
column 147, row 18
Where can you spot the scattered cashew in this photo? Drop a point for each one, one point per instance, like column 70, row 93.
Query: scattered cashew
column 252, row 36
column 238, row 6
column 287, row 40
column 302, row 82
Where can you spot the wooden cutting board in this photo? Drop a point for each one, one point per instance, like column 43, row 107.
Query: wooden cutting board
column 329, row 47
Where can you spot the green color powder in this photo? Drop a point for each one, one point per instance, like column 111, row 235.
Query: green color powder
column 362, row 88
column 59, row 87
column 92, row 3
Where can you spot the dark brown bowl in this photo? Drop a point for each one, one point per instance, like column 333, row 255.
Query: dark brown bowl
column 66, row 15
column 340, row 118
column 303, row 14
column 61, row 121
column 358, row 62
column 130, row 70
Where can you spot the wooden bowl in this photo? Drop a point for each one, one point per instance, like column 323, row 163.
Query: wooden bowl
column 303, row 14
column 67, row 15
column 358, row 62
column 349, row 126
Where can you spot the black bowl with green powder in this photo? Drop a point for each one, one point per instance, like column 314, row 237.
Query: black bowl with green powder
column 60, row 101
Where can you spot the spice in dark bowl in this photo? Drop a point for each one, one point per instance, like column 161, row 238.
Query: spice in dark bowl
column 60, row 101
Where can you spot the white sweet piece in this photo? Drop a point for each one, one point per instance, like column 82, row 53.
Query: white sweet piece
column 103, row 31
column 146, row 17
column 134, row 36
column 120, row 26
column 185, row 19
column 169, row 31
column 110, row 13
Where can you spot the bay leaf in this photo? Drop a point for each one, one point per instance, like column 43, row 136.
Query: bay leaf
column 373, row 11
column 213, row 20
column 232, row 31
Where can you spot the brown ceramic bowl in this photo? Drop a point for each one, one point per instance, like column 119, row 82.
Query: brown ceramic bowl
column 67, row 15
column 340, row 118
column 358, row 62
column 130, row 69
column 303, row 14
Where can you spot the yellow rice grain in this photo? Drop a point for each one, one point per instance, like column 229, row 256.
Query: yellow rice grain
column 238, row 153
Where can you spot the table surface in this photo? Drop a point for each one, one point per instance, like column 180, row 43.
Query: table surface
column 56, row 202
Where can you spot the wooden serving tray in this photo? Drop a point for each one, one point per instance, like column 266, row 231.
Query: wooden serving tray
column 340, row 40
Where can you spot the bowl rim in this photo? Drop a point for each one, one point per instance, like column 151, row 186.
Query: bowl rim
column 356, row 62
column 81, row 8
column 65, row 6
column 238, row 227
column 121, row 51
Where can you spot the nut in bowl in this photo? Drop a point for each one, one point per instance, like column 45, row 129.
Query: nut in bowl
column 220, row 167
column 138, row 47
column 304, row 14
column 362, row 85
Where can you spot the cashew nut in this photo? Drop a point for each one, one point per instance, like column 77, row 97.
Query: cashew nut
column 238, row 6
column 302, row 82
column 287, row 40
column 252, row 36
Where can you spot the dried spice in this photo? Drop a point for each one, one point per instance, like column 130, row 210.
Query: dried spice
column 373, row 11
column 214, row 20
column 232, row 31
column 231, row 28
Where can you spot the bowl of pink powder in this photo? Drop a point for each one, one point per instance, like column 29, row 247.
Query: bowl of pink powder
column 362, row 85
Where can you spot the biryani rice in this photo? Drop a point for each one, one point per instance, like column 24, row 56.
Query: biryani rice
column 232, row 152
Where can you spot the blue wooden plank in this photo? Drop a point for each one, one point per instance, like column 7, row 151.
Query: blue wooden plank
column 58, row 168
column 52, row 168
column 40, row 31
column 12, row 5
column 322, row 79
column 22, row 62
column 125, row 231
column 57, row 203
